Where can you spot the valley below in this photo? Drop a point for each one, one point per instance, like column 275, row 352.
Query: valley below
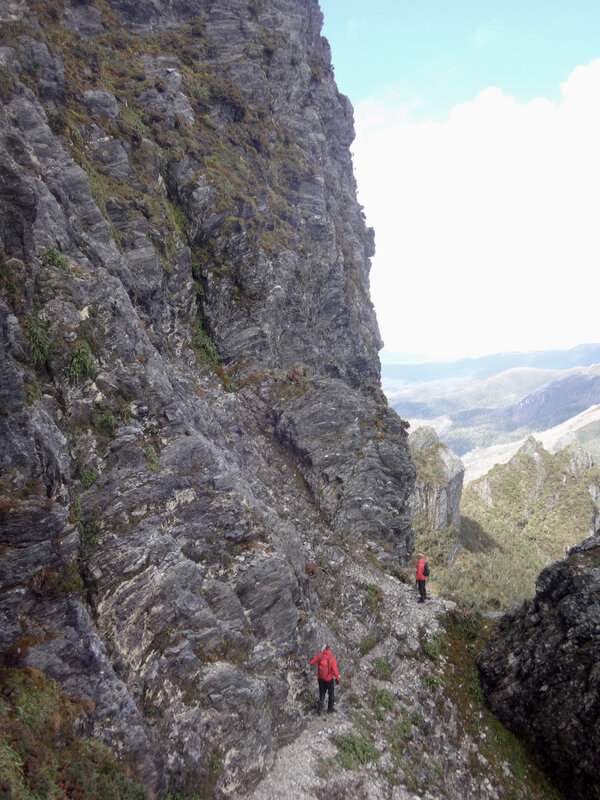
column 484, row 415
column 514, row 455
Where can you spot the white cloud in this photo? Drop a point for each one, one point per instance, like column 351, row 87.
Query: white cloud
column 486, row 224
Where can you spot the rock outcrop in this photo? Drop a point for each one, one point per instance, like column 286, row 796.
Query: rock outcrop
column 191, row 412
column 439, row 482
column 540, row 670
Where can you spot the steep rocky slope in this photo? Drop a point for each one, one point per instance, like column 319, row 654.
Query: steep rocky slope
column 548, row 651
column 190, row 382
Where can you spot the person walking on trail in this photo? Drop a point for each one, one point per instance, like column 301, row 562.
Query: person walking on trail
column 421, row 577
column 327, row 673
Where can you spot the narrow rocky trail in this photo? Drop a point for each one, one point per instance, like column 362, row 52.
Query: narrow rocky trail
column 310, row 766
column 409, row 723
column 300, row 768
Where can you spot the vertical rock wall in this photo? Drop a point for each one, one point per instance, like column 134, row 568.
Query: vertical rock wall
column 191, row 409
column 440, row 474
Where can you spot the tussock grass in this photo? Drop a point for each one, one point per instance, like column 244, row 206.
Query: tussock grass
column 38, row 339
column 434, row 647
column 82, row 364
column 50, row 256
column 356, row 748
column 40, row 754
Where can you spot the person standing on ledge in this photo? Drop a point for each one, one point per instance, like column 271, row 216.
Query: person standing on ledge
column 421, row 577
column 326, row 674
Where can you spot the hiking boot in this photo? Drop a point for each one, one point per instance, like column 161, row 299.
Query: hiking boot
column 332, row 710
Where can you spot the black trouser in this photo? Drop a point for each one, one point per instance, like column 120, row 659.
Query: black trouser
column 324, row 687
column 422, row 591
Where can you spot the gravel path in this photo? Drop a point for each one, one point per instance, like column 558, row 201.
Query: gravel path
column 300, row 768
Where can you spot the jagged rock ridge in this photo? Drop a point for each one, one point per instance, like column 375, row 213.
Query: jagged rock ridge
column 190, row 384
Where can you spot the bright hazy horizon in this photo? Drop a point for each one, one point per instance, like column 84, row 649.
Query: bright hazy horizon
column 478, row 166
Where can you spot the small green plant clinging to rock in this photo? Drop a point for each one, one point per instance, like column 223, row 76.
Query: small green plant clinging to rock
column 82, row 364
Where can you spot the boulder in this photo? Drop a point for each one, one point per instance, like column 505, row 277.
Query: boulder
column 540, row 670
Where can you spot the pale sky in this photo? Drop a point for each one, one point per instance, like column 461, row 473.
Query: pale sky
column 478, row 164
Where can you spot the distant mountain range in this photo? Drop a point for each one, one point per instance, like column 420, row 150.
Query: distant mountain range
column 473, row 407
column 583, row 428
column 550, row 406
column 468, row 369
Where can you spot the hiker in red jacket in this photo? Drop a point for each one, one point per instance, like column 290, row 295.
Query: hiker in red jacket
column 326, row 674
column 421, row 577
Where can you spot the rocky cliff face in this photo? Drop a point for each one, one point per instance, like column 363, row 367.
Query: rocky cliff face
column 439, row 482
column 540, row 670
column 191, row 412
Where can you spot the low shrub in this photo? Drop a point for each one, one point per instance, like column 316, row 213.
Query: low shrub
column 434, row 647
column 355, row 748
column 205, row 347
column 367, row 644
column 153, row 459
column 383, row 669
column 433, row 682
column 7, row 80
column 104, row 419
column 89, row 477
column 50, row 256
column 373, row 597
column 40, row 754
column 463, row 623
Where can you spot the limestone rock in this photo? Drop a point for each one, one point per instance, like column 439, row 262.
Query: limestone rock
column 48, row 67
column 102, row 105
column 83, row 18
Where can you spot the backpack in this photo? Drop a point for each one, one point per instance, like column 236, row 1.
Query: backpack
column 324, row 671
column 426, row 570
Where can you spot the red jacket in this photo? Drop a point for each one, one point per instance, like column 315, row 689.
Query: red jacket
column 327, row 666
column 420, row 567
